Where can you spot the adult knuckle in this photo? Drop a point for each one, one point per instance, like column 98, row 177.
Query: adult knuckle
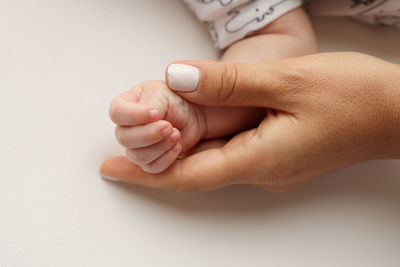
column 228, row 82
column 293, row 77
column 276, row 175
column 283, row 178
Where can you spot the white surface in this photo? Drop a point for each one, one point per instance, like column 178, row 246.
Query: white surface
column 61, row 63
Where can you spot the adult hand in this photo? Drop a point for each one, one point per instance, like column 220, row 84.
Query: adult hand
column 325, row 112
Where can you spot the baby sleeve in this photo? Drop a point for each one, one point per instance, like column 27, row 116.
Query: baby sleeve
column 232, row 20
column 380, row 12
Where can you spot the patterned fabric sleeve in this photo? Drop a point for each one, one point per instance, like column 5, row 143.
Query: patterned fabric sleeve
column 232, row 20
column 380, row 12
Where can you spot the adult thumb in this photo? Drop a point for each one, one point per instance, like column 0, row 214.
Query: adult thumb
column 215, row 83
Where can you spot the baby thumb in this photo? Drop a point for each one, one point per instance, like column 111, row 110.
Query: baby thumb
column 215, row 83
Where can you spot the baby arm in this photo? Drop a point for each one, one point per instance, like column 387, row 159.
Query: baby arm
column 291, row 35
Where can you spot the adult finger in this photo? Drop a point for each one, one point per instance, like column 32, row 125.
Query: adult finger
column 210, row 169
column 233, row 84
column 205, row 145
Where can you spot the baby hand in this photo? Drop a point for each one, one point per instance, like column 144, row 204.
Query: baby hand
column 155, row 125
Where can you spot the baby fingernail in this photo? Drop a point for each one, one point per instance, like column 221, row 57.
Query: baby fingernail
column 152, row 113
column 165, row 132
column 182, row 77
column 177, row 147
column 174, row 137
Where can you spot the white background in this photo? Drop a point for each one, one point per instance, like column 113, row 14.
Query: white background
column 61, row 63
